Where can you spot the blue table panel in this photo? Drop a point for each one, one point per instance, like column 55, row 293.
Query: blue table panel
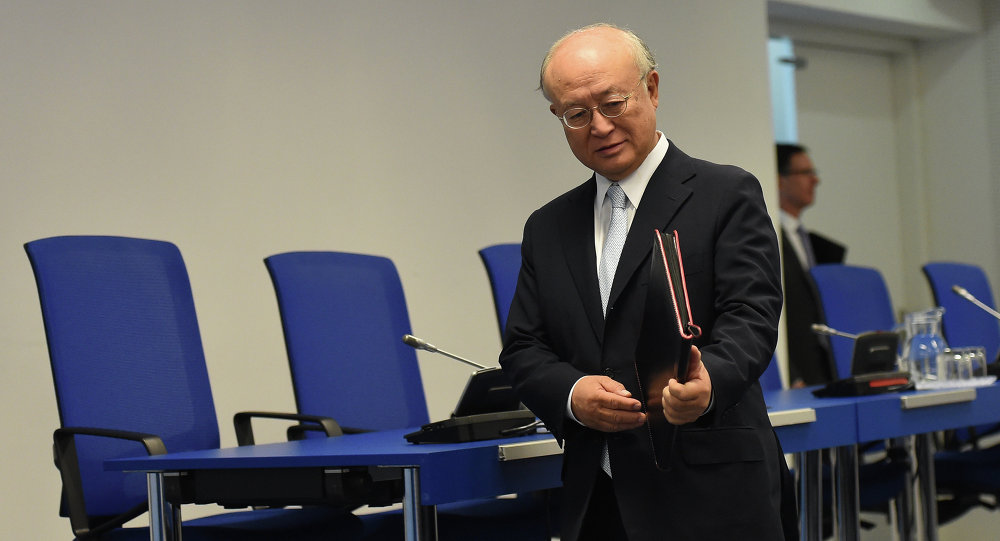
column 883, row 416
column 448, row 472
column 835, row 423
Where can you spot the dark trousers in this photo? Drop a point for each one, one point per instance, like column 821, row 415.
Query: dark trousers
column 603, row 522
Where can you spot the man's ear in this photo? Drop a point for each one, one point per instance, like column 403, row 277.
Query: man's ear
column 653, row 87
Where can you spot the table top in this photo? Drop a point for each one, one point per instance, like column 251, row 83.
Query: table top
column 832, row 424
column 881, row 416
column 916, row 412
column 453, row 471
column 448, row 471
column 390, row 446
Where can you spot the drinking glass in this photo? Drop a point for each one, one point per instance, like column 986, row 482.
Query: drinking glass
column 977, row 361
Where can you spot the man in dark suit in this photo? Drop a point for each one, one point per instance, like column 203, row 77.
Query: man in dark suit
column 571, row 359
column 810, row 360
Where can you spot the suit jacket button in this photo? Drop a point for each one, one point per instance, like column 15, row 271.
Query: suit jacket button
column 610, row 372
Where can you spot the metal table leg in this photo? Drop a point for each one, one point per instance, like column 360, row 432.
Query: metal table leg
column 903, row 503
column 164, row 519
column 419, row 521
column 810, row 495
column 928, row 489
column 847, row 493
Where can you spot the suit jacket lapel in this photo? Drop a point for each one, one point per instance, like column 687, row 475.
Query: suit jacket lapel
column 660, row 202
column 577, row 241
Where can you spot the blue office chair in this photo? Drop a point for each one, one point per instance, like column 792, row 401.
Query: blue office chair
column 344, row 316
column 770, row 380
column 503, row 263
column 129, row 373
column 963, row 475
column 855, row 300
column 964, row 324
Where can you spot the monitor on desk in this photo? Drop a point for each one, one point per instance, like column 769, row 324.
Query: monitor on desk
column 873, row 368
column 874, row 352
column 488, row 391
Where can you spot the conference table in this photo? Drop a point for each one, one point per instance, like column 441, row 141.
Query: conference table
column 888, row 416
column 432, row 473
column 441, row 473
column 920, row 414
column 807, row 426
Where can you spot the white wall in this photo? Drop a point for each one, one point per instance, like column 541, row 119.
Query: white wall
column 962, row 214
column 850, row 130
column 942, row 55
column 940, row 100
column 242, row 129
column 910, row 18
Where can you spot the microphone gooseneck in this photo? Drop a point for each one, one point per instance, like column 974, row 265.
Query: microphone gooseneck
column 417, row 343
column 819, row 328
column 964, row 293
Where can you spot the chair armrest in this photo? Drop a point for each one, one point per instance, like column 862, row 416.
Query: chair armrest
column 66, row 460
column 153, row 444
column 298, row 432
column 244, row 430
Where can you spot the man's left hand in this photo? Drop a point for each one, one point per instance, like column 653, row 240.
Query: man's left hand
column 684, row 403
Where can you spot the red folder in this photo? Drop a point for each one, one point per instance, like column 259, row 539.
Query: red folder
column 664, row 345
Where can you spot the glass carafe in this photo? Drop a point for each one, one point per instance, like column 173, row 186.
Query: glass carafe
column 923, row 343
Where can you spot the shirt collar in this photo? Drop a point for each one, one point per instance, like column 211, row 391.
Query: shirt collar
column 635, row 184
column 789, row 222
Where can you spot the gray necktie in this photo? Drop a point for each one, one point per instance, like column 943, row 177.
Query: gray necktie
column 807, row 246
column 613, row 242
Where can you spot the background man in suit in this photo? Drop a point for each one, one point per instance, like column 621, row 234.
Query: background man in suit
column 574, row 322
column 810, row 361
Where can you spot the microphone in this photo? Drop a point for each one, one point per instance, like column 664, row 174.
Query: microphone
column 962, row 292
column 819, row 328
column 417, row 343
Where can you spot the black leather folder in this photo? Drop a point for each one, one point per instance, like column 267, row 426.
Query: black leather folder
column 664, row 345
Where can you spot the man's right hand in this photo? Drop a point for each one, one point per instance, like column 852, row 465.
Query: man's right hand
column 602, row 403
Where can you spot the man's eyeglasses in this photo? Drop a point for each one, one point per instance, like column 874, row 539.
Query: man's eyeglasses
column 579, row 117
column 808, row 172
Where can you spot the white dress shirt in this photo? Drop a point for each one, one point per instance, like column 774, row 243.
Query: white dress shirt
column 634, row 185
column 790, row 224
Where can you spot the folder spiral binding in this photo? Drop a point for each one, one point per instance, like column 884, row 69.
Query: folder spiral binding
column 664, row 346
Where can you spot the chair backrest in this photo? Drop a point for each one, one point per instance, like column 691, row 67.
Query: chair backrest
column 770, row 380
column 964, row 324
column 125, row 352
column 854, row 300
column 344, row 316
column 503, row 263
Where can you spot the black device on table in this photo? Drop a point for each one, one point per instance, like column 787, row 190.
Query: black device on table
column 873, row 367
column 487, row 409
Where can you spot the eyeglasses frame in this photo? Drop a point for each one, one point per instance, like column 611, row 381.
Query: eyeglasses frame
column 590, row 110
